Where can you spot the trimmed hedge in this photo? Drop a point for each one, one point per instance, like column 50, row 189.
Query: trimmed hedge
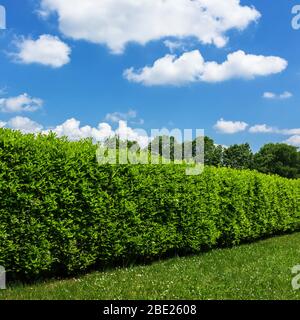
column 61, row 213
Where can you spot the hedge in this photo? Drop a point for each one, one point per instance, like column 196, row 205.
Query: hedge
column 61, row 213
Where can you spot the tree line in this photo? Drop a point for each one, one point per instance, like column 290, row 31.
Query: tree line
column 272, row 158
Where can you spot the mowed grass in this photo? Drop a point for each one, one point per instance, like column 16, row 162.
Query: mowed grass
column 260, row 270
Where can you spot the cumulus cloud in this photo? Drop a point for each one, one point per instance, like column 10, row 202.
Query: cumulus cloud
column 191, row 67
column 174, row 45
column 115, row 117
column 131, row 116
column 127, row 133
column 263, row 128
column 118, row 22
column 274, row 96
column 72, row 129
column 290, row 131
column 47, row 50
column 294, row 140
column 230, row 127
column 21, row 103
column 24, row 124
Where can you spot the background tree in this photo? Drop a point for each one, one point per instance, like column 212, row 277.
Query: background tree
column 280, row 158
column 238, row 156
column 166, row 146
column 213, row 153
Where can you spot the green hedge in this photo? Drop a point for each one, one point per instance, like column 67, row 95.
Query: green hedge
column 61, row 213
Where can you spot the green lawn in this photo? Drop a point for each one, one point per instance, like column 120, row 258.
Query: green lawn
column 256, row 271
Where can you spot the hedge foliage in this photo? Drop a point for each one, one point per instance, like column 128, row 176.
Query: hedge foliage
column 61, row 213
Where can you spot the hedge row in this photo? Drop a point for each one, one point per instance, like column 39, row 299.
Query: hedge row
column 61, row 213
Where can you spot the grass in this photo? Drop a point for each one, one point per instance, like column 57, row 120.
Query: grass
column 260, row 270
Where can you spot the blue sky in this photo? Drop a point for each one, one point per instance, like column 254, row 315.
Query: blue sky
column 83, row 77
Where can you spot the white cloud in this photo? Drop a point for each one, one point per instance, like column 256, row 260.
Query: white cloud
column 127, row 133
column 24, row 124
column 72, row 129
column 46, row 50
column 290, row 131
column 117, row 116
column 294, row 141
column 269, row 95
column 130, row 116
column 230, row 127
column 282, row 96
column 42, row 14
column 174, row 45
column 118, row 22
column 169, row 70
column 263, row 128
column 191, row 67
column 21, row 103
